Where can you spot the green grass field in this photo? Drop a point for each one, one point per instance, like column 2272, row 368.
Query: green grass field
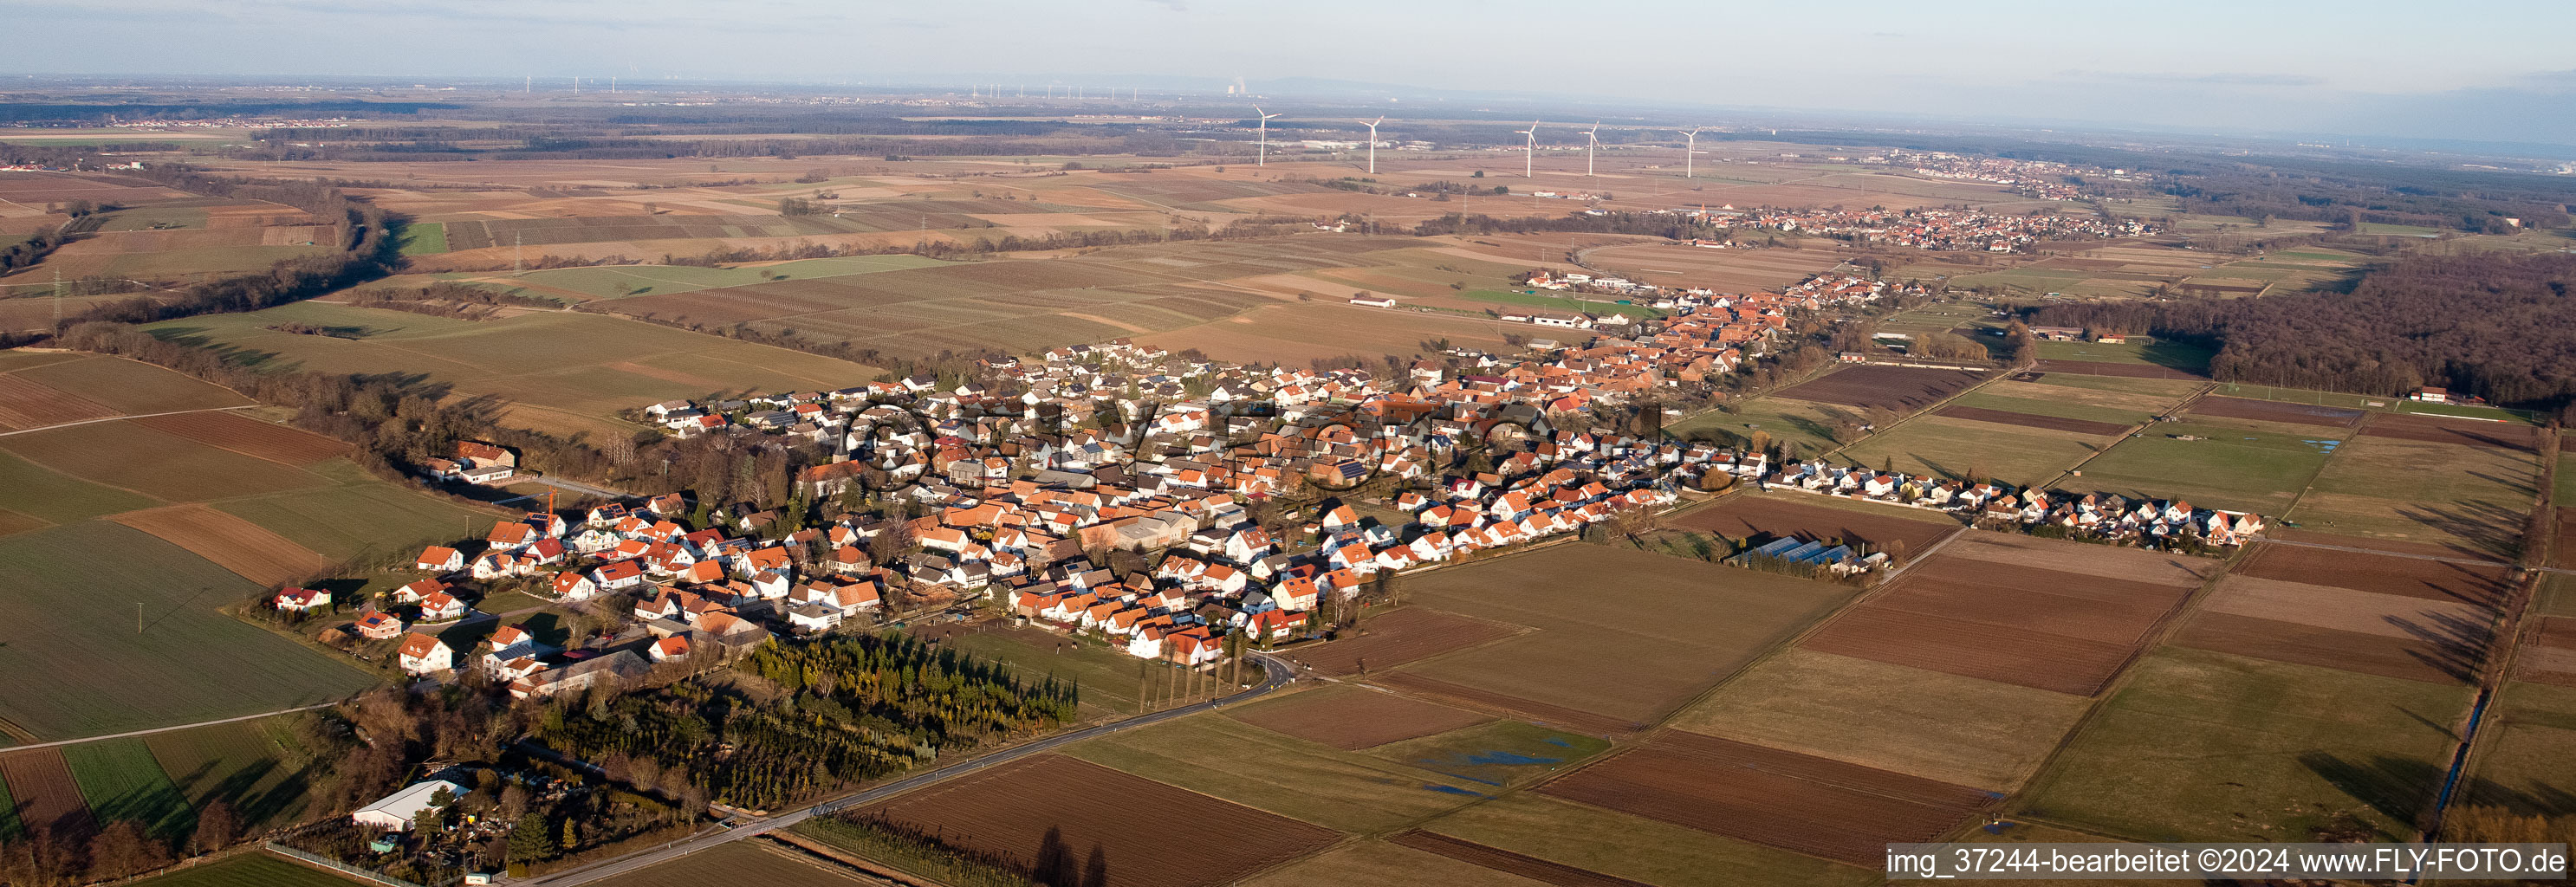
column 2525, row 767
column 73, row 593
column 2171, row 355
column 10, row 828
column 1303, row 780
column 1964, row 449
column 249, row 870
column 122, row 781
column 1808, row 425
column 424, row 239
column 157, row 464
column 2168, row 389
column 58, row 497
column 2375, row 402
column 2400, row 230
column 2230, row 468
column 2205, row 746
column 243, row 764
column 132, row 387
column 360, row 517
column 1954, row 729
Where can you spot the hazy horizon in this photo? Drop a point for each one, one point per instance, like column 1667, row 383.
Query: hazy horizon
column 2364, row 69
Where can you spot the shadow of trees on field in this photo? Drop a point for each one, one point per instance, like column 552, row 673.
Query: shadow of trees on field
column 2454, row 645
column 1054, row 863
column 2399, row 788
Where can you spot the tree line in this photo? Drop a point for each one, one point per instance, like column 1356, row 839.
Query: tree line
column 2495, row 326
column 835, row 712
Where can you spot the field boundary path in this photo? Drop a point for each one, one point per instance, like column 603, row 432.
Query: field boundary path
column 133, row 733
column 251, row 406
column 1276, row 674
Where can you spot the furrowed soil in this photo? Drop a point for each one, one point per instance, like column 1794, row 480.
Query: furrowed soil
column 1018, row 809
column 1812, row 805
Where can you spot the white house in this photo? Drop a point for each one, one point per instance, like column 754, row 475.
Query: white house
column 422, row 654
column 398, row 811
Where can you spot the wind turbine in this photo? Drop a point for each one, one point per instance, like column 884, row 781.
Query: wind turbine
column 1372, row 125
column 1592, row 139
column 1529, row 162
column 1690, row 147
column 1262, row 158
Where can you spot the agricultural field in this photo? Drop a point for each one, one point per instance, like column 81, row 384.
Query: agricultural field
column 80, row 590
column 2099, row 405
column 1971, row 447
column 625, row 281
column 121, row 781
column 563, row 372
column 1393, row 865
column 1682, row 624
column 1807, row 426
column 1955, row 729
column 2394, row 617
column 1817, row 806
column 2227, row 467
column 2177, row 356
column 1304, row 781
column 1386, row 640
column 248, row 870
column 88, row 386
column 246, row 764
column 2521, row 762
column 1622, row 845
column 2200, row 745
column 2011, row 623
column 42, row 793
column 1351, row 718
column 2467, row 499
column 1026, row 806
column 1722, row 270
column 1497, row 755
column 1902, row 389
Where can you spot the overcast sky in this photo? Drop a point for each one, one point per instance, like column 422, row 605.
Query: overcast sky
column 2484, row 70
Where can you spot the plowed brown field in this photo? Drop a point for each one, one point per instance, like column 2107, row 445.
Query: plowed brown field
column 2006, row 417
column 1817, row 806
column 1356, row 718
column 1502, row 860
column 2412, row 577
column 1539, row 712
column 42, row 787
column 2274, row 411
column 1145, row 833
column 2291, row 642
column 1396, row 638
column 247, row 549
column 27, row 403
column 248, row 436
column 1902, row 389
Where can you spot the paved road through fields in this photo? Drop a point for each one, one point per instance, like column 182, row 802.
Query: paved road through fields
column 1275, row 674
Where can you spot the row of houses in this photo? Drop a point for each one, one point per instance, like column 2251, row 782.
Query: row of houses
column 2097, row 515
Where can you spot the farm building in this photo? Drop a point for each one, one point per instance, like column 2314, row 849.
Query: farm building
column 399, row 810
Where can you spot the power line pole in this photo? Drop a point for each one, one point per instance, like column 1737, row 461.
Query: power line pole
column 518, row 243
column 58, row 298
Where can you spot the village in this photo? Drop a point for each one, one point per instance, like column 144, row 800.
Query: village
column 1175, row 508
